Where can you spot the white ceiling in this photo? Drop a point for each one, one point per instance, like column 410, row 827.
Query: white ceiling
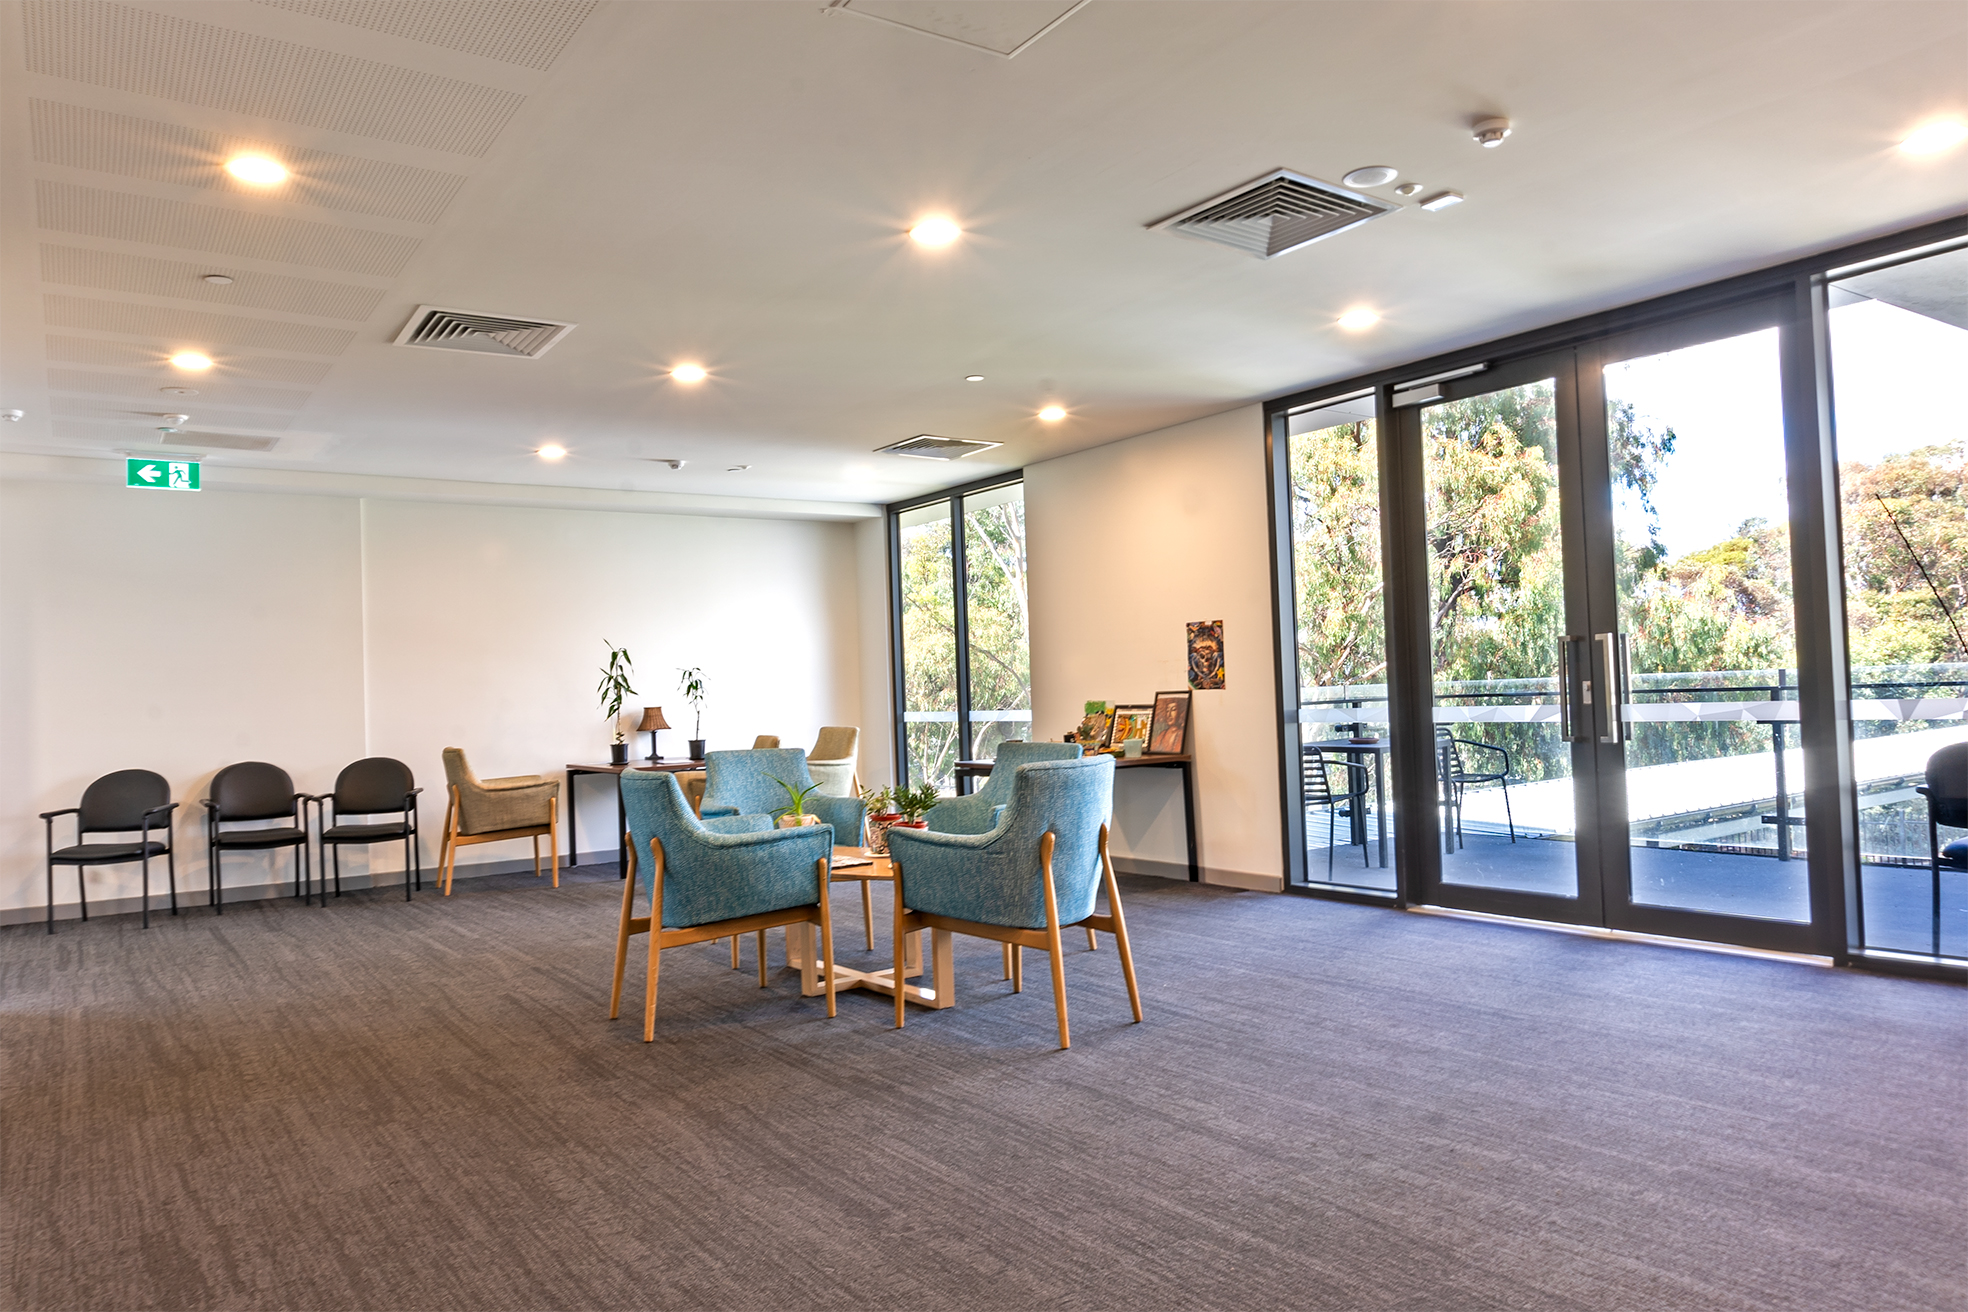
column 730, row 183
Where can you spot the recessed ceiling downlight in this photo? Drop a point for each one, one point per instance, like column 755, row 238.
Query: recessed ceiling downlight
column 1933, row 138
column 257, row 170
column 1052, row 414
column 1373, row 175
column 935, row 231
column 1358, row 320
column 973, row 378
column 689, row 373
column 191, row 360
column 552, row 451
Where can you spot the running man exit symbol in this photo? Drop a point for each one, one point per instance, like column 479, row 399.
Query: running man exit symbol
column 171, row 475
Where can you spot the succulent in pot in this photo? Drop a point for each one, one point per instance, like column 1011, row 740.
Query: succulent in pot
column 882, row 813
column 914, row 804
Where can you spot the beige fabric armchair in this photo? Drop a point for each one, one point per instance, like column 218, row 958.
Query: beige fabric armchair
column 494, row 810
column 833, row 760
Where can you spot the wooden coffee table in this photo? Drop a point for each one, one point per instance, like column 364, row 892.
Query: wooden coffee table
column 937, row 994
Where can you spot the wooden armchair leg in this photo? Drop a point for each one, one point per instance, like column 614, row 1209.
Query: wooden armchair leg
column 622, row 939
column 868, row 912
column 655, row 937
column 1093, row 944
column 761, row 954
column 1017, row 967
column 734, row 952
column 901, row 935
column 1120, row 926
column 553, row 837
column 1053, row 944
column 1007, row 959
column 827, row 933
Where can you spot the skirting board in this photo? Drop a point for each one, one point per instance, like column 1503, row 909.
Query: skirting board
column 1134, row 865
column 189, row 897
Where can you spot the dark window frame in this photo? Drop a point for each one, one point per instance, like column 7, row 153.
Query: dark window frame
column 958, row 571
column 1831, row 795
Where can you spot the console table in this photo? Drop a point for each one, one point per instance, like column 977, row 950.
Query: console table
column 1185, row 762
column 579, row 768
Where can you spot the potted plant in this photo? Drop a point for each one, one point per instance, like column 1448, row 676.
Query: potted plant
column 614, row 686
column 881, row 814
column 796, row 816
column 692, row 683
column 914, row 804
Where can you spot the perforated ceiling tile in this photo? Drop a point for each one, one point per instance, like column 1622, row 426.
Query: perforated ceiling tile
column 139, row 415
column 111, row 45
column 230, row 364
column 168, row 152
column 190, row 328
column 530, row 33
column 144, row 387
column 92, row 212
column 76, row 266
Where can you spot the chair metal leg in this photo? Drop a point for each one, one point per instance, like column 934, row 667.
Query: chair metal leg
column 51, row 895
column 171, row 872
column 82, row 883
column 1934, row 863
column 146, row 884
column 406, row 867
column 338, row 873
column 1332, row 820
column 217, row 878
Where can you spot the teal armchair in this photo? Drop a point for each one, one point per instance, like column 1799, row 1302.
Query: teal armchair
column 1038, row 871
column 715, row 879
column 978, row 812
column 746, row 783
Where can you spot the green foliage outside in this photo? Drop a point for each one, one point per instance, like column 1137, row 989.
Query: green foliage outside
column 1496, row 574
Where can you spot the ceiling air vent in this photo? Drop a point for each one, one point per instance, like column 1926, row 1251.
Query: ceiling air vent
column 923, row 446
column 1276, row 213
column 230, row 441
column 488, row 334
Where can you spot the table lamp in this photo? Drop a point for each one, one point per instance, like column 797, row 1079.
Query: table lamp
column 652, row 720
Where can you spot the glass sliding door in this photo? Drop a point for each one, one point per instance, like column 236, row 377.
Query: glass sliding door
column 1333, row 471
column 1896, row 333
column 1497, row 606
column 963, row 627
column 1706, row 651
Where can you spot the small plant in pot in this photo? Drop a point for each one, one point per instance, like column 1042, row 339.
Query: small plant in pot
column 692, row 683
column 614, row 686
column 881, row 814
column 796, row 816
column 914, row 804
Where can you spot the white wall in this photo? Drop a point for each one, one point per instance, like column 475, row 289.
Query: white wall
column 1128, row 543
column 181, row 633
column 877, row 696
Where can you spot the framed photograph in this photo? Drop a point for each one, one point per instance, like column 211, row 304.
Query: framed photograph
column 1131, row 722
column 1206, row 654
column 1168, row 730
column 1096, row 725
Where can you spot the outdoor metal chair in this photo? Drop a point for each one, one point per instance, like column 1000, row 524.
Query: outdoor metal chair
column 1457, row 776
column 1946, row 791
column 119, row 803
column 1317, row 787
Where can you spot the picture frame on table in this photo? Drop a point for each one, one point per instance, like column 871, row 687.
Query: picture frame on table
column 1131, row 722
column 1168, row 730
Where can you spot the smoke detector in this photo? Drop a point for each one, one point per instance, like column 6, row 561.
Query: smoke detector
column 437, row 329
column 1490, row 132
column 927, row 446
column 1276, row 213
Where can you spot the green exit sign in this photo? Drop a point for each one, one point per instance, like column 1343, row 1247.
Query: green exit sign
column 171, row 475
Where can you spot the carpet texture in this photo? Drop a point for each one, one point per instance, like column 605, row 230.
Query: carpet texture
column 381, row 1105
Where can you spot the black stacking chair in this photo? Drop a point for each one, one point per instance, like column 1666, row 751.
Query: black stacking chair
column 374, row 786
column 119, row 803
column 1319, row 787
column 1946, row 791
column 254, row 790
column 1457, row 775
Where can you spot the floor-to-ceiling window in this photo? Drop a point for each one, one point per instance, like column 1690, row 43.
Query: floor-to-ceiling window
column 963, row 626
column 1581, row 597
column 1899, row 339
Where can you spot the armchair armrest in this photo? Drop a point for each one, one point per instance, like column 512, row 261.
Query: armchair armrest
column 514, row 781
column 76, row 810
column 844, row 814
column 167, row 808
column 711, row 812
column 963, row 815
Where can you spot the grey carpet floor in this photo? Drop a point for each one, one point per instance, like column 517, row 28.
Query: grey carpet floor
column 383, row 1105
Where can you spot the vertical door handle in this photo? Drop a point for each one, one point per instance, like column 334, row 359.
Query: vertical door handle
column 1567, row 729
column 1611, row 648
